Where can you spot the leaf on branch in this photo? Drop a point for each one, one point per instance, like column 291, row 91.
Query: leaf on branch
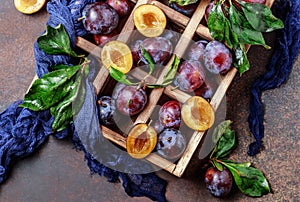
column 149, row 60
column 64, row 113
column 249, row 180
column 50, row 89
column 169, row 76
column 225, row 139
column 260, row 17
column 216, row 22
column 244, row 31
column 120, row 77
column 56, row 41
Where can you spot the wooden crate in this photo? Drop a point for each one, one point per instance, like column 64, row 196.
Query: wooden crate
column 191, row 27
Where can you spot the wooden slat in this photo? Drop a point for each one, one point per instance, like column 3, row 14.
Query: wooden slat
column 188, row 153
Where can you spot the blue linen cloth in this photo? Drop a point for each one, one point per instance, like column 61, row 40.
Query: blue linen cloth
column 279, row 67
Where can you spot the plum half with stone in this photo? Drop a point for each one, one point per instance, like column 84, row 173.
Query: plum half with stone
column 190, row 76
column 149, row 20
column 99, row 18
column 131, row 100
column 197, row 113
column 141, row 141
column 217, row 57
column 171, row 143
column 170, row 114
column 218, row 183
column 118, row 55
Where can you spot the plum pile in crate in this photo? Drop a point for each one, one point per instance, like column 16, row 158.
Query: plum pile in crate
column 162, row 78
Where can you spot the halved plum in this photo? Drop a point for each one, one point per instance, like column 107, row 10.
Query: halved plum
column 149, row 20
column 197, row 113
column 141, row 141
column 118, row 55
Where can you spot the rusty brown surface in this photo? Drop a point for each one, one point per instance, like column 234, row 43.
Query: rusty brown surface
column 58, row 173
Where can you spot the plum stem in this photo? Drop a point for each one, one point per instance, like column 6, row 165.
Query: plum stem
column 81, row 18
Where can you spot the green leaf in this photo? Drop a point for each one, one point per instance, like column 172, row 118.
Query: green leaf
column 156, row 85
column 149, row 60
column 65, row 111
column 59, row 66
column 244, row 31
column 171, row 72
column 56, row 41
column 50, row 89
column 225, row 144
column 227, row 34
column 218, row 165
column 249, row 180
column 119, row 76
column 216, row 22
column 220, row 130
column 260, row 17
column 241, row 61
column 234, row 39
column 183, row 2
column 225, row 138
column 169, row 76
column 245, row 164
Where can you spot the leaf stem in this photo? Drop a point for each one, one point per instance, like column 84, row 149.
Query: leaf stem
column 227, row 165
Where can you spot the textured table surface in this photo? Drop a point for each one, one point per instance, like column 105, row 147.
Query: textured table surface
column 58, row 173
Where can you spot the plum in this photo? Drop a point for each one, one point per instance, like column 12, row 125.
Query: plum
column 106, row 107
column 170, row 114
column 217, row 57
column 190, row 76
column 121, row 6
column 159, row 48
column 219, row 183
column 187, row 10
column 196, row 50
column 197, row 113
column 205, row 91
column 131, row 100
column 171, row 143
column 99, row 18
column 101, row 39
column 149, row 20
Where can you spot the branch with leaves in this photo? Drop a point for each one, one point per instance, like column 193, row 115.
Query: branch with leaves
column 237, row 23
column 62, row 90
column 249, row 180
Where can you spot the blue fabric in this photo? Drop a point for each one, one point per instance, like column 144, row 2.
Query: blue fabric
column 22, row 132
column 279, row 67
